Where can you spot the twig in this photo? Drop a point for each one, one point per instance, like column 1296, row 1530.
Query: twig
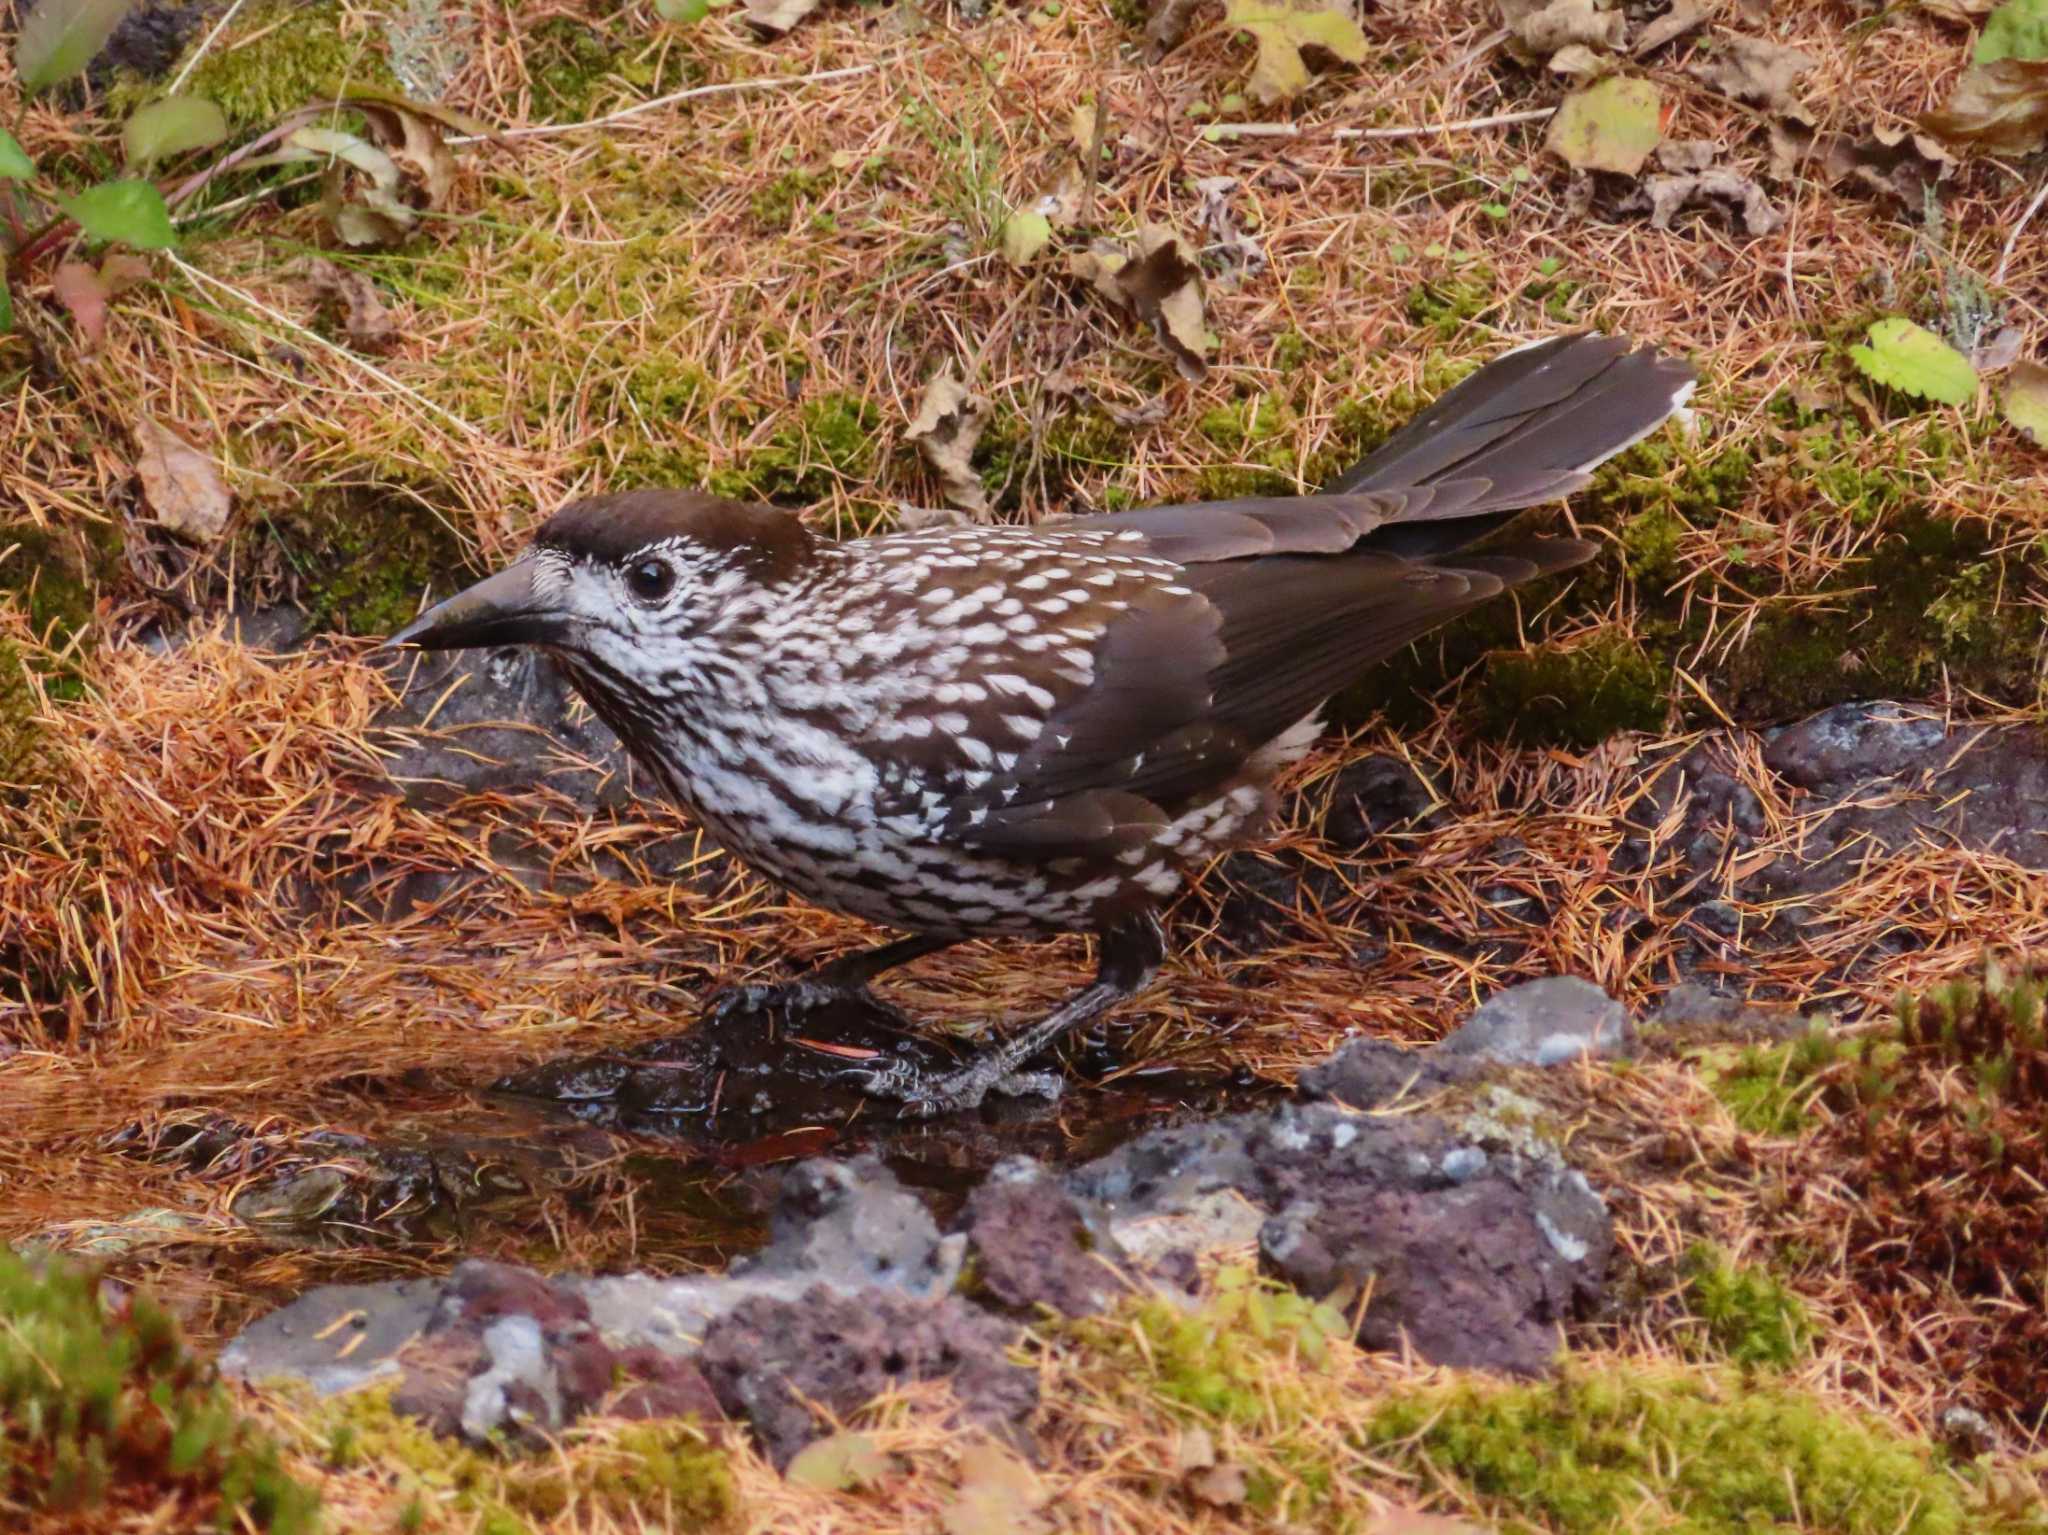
column 760, row 83
column 199, row 53
column 320, row 341
column 1416, row 131
column 1096, row 135
column 2012, row 240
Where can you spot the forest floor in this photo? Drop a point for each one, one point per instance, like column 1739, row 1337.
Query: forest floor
column 699, row 251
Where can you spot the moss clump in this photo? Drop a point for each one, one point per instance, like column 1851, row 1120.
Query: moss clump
column 1258, row 433
column 1749, row 1316
column 54, row 578
column 359, row 559
column 567, row 63
column 294, row 55
column 1443, row 304
column 1663, row 475
column 104, row 1408
column 775, row 204
column 667, row 1470
column 1577, row 696
column 1626, row 1450
column 1770, row 1089
column 831, row 442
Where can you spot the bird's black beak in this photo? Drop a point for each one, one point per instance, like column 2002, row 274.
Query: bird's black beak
column 499, row 610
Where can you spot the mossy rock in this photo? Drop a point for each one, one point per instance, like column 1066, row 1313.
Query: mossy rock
column 1609, row 1452
column 279, row 57
column 358, row 560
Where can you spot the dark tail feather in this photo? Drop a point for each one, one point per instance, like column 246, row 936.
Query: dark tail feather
column 1534, row 424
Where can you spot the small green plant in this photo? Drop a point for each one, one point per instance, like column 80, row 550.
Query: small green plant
column 104, row 1405
column 1749, row 1315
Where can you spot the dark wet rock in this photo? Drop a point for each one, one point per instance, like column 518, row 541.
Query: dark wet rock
column 1866, row 779
column 785, row 1365
column 150, row 38
column 471, row 721
column 1376, row 795
column 1475, row 1239
column 1032, row 1244
column 1543, row 1023
column 1371, row 1073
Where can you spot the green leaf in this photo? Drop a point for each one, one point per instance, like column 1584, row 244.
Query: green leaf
column 172, row 126
column 1282, row 30
column 6, row 306
column 15, row 165
column 2016, row 30
column 1025, row 234
column 2026, row 401
column 689, row 12
column 1915, row 361
column 131, row 212
column 60, row 37
column 1611, row 126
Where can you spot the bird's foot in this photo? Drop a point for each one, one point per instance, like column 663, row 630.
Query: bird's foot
column 927, row 1094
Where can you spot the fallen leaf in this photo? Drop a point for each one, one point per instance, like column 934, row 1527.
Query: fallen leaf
column 999, row 1495
column 1756, row 71
column 1577, row 61
column 838, row 1463
column 79, row 289
column 947, row 426
column 2016, row 30
column 2000, row 108
column 181, row 485
column 15, row 165
column 365, row 321
column 1151, row 413
column 415, row 144
column 58, row 38
column 1286, row 32
column 1196, row 1450
column 122, row 269
column 1410, row 1521
column 1998, row 351
column 2026, row 401
column 1610, row 126
column 172, row 126
column 1240, row 254
column 1158, row 284
column 1894, row 164
column 1684, row 156
column 1025, row 233
column 772, row 18
column 1541, row 28
column 1665, row 197
column 1915, row 361
column 1219, row 1486
column 1675, row 23
column 1166, row 25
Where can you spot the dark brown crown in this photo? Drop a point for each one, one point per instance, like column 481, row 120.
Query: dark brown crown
column 614, row 528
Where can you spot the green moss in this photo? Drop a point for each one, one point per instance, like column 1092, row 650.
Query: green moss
column 361, row 558
column 107, row 1408
column 1257, row 432
column 831, row 442
column 294, row 54
column 775, row 204
column 1444, row 303
column 1770, row 1089
column 1749, row 1316
column 1575, row 696
column 1627, row 1450
column 54, row 578
column 668, row 1470
column 568, row 63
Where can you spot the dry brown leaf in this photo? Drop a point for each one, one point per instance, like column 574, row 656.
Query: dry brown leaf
column 1756, row 71
column 947, row 426
column 365, row 322
column 180, row 484
column 1664, row 197
column 1892, row 163
column 2026, row 401
column 1221, row 1486
column 999, row 1495
column 415, row 144
column 79, row 289
column 1242, row 255
column 772, row 18
column 122, row 270
column 1541, row 28
column 1410, row 1521
column 1160, row 285
column 1167, row 25
column 1682, row 18
column 2001, row 108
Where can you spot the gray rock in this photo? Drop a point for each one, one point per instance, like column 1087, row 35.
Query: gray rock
column 852, row 1226
column 335, row 1338
column 1543, row 1023
column 1475, row 1239
column 1372, row 1073
column 790, row 1367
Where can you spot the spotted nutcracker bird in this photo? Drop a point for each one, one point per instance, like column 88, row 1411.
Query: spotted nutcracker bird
column 975, row 732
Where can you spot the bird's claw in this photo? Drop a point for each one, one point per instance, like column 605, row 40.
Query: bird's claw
column 925, row 1096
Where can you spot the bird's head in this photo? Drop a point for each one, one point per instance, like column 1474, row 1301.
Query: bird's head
column 619, row 571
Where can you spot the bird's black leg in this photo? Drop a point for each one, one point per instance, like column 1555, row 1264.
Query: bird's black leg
column 1129, row 956
column 852, row 972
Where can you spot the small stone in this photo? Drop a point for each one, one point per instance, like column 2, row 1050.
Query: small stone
column 1033, row 1244
column 1543, row 1023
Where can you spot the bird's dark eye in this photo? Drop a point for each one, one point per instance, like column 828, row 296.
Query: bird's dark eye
column 650, row 580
